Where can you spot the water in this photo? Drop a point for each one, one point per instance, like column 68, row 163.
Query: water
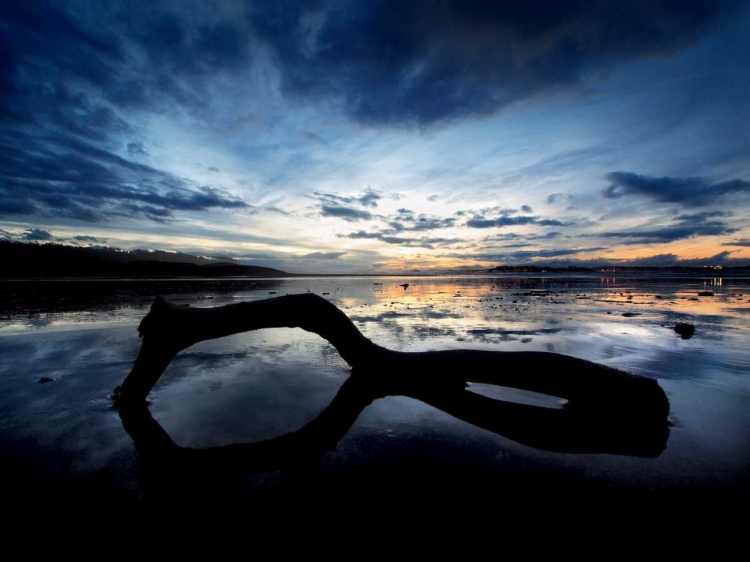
column 62, row 440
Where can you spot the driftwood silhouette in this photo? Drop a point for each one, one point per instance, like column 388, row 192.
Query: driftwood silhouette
column 608, row 411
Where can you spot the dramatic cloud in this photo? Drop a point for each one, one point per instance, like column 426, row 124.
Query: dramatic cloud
column 399, row 240
column 692, row 192
column 340, row 206
column 405, row 220
column 81, row 182
column 480, row 222
column 745, row 243
column 382, row 62
column 369, row 198
column 65, row 80
column 346, row 213
column 510, row 236
column 117, row 114
column 37, row 234
column 684, row 226
column 418, row 63
column 57, row 142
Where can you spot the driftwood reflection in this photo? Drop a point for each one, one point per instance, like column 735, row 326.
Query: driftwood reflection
column 608, row 411
column 572, row 429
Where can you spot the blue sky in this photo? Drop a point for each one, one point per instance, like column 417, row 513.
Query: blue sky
column 380, row 136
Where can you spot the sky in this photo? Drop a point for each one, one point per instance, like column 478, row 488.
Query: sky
column 368, row 137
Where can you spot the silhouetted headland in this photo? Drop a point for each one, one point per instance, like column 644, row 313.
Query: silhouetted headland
column 57, row 260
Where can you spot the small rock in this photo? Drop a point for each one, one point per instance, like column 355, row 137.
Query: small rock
column 705, row 293
column 629, row 314
column 45, row 380
column 686, row 331
column 405, row 286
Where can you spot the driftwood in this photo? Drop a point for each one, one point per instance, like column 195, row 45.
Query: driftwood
column 607, row 411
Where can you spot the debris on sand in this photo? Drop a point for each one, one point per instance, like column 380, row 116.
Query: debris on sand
column 705, row 293
column 405, row 286
column 630, row 314
column 45, row 380
column 686, row 331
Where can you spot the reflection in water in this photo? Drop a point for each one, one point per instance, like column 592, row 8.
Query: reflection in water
column 579, row 429
column 608, row 412
column 263, row 384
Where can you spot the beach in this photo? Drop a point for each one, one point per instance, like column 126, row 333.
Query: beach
column 63, row 440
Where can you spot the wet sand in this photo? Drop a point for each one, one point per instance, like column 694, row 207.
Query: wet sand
column 63, row 442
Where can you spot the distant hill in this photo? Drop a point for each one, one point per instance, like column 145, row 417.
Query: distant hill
column 56, row 260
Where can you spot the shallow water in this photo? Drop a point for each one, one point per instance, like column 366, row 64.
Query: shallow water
column 63, row 440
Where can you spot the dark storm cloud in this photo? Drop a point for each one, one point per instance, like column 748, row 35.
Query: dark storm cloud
column 37, row 234
column 527, row 209
column 65, row 81
column 684, row 226
column 422, row 62
column 369, row 198
column 340, row 206
column 135, row 55
column 346, row 213
column 692, row 192
column 74, row 75
column 81, row 182
column 478, row 222
column 499, row 222
column 428, row 243
column 399, row 225
column 745, row 243
column 510, row 236
column 405, row 220
column 384, row 62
